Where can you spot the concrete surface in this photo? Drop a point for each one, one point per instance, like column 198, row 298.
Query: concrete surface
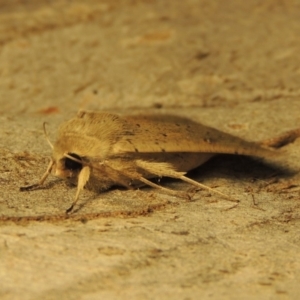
column 233, row 65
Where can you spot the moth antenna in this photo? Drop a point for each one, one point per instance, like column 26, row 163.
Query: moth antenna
column 46, row 135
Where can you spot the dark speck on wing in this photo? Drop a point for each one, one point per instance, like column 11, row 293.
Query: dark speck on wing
column 207, row 140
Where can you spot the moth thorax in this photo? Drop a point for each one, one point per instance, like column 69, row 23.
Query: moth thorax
column 71, row 164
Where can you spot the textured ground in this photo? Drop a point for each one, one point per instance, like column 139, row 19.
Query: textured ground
column 233, row 65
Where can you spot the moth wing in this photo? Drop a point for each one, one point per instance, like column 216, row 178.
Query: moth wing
column 167, row 133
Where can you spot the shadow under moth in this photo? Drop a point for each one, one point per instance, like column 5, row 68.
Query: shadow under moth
column 98, row 150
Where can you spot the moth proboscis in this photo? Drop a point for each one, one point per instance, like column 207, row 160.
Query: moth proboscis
column 98, row 150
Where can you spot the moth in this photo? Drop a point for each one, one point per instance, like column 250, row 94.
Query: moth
column 98, row 150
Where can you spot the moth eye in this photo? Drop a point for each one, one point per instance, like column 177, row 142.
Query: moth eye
column 72, row 164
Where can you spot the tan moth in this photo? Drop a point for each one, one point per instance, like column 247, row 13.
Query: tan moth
column 98, row 150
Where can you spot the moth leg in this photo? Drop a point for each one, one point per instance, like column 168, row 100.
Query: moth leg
column 136, row 176
column 203, row 186
column 83, row 178
column 165, row 169
column 42, row 180
column 154, row 185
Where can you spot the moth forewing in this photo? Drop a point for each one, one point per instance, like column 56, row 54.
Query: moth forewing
column 169, row 134
column 97, row 149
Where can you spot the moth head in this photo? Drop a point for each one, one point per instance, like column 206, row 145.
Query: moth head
column 68, row 166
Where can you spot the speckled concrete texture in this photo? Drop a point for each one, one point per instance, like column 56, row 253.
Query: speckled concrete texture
column 233, row 65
